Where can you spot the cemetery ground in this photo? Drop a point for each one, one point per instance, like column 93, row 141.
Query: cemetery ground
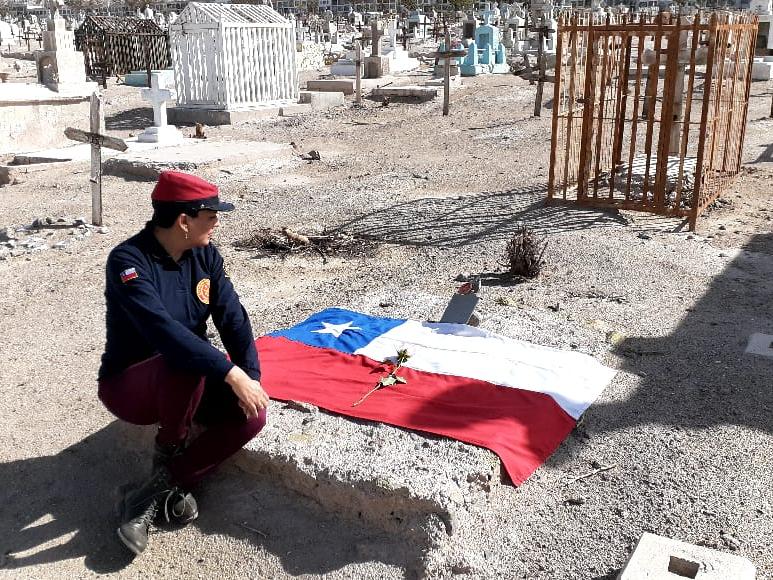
column 685, row 428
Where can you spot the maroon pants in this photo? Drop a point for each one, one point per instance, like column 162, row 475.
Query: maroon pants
column 153, row 392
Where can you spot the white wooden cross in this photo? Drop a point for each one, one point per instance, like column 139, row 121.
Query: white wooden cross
column 157, row 96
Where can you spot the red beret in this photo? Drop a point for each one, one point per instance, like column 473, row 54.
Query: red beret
column 174, row 186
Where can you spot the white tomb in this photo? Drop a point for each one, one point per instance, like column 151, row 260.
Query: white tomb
column 233, row 57
column 399, row 61
column 160, row 132
column 59, row 66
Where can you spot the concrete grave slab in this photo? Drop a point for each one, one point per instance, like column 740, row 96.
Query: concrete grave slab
column 295, row 109
column 414, row 92
column 194, row 155
column 35, row 161
column 421, row 487
column 345, row 86
column 659, row 558
column 191, row 115
column 760, row 344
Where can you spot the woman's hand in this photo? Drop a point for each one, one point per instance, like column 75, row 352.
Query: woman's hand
column 252, row 397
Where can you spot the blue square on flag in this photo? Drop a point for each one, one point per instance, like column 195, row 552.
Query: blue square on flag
column 339, row 329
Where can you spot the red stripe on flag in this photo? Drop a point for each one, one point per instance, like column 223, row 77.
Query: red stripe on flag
column 522, row 427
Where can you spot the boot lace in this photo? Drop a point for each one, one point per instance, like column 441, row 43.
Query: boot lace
column 146, row 518
column 171, row 499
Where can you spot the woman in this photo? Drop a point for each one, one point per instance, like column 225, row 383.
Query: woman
column 158, row 367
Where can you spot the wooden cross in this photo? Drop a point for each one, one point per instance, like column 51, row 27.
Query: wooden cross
column 97, row 141
column 447, row 54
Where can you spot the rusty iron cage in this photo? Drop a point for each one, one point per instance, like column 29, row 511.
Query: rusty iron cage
column 649, row 111
column 117, row 45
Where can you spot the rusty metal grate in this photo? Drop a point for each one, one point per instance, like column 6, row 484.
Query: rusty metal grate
column 650, row 112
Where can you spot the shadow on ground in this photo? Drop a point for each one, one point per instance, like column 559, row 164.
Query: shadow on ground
column 699, row 376
column 133, row 119
column 60, row 507
column 469, row 219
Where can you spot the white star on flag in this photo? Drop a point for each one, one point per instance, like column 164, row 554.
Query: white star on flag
column 336, row 329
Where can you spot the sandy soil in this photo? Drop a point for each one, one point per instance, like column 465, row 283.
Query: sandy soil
column 687, row 422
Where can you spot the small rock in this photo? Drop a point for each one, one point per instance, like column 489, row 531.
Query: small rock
column 615, row 338
column 723, row 255
column 645, row 236
column 505, row 301
column 103, row 230
column 60, row 245
column 722, row 228
column 79, row 221
column 599, row 325
column 385, row 304
column 574, row 501
column 691, row 237
column 554, row 307
column 730, row 541
column 7, row 234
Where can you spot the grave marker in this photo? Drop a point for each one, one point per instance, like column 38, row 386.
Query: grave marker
column 97, row 141
column 157, row 95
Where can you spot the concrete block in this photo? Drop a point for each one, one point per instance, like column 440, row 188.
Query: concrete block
column 762, row 70
column 295, row 109
column 376, row 66
column 321, row 101
column 345, row 86
column 659, row 558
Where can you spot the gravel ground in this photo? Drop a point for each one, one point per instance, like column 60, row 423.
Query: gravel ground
column 686, row 424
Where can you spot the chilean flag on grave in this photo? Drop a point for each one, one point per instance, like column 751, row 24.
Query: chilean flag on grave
column 515, row 398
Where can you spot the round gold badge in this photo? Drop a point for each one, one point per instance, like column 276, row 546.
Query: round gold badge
column 202, row 290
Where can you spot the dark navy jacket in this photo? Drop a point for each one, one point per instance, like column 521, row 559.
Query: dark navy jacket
column 156, row 305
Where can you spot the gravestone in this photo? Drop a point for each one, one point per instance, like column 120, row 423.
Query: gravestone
column 161, row 132
column 59, row 66
column 399, row 60
column 462, row 304
column 486, row 54
column 7, row 39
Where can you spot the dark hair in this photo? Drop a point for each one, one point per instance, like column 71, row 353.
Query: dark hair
column 165, row 212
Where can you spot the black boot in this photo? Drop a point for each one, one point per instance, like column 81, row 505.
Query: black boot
column 180, row 506
column 138, row 510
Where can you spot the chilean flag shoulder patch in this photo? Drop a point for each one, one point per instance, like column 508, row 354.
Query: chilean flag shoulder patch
column 129, row 274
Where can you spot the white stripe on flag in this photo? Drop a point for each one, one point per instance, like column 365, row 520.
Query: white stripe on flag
column 574, row 380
